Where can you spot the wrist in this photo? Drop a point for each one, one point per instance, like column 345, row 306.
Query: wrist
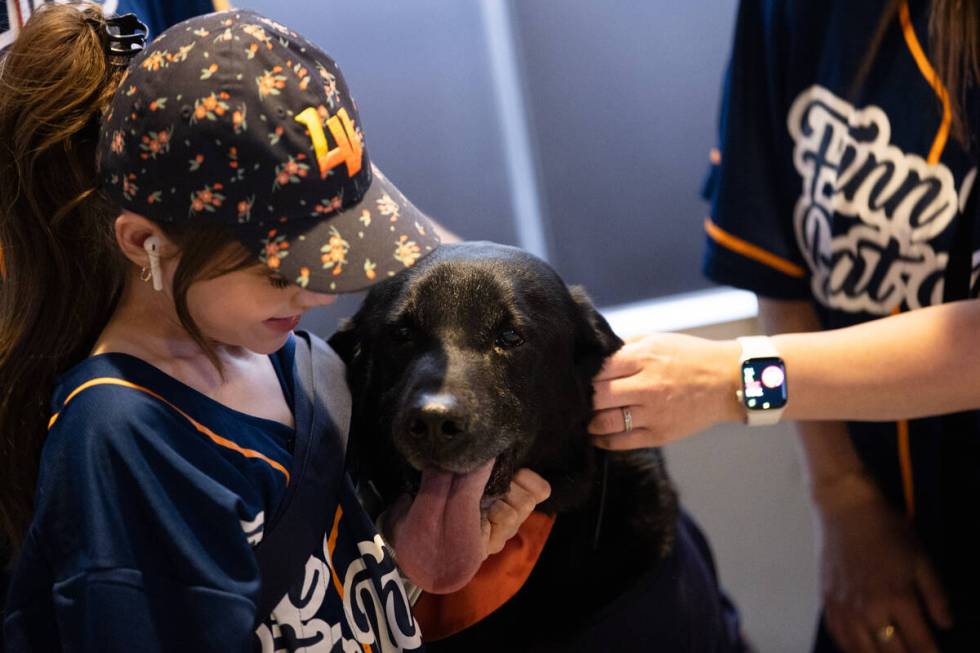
column 763, row 391
column 728, row 381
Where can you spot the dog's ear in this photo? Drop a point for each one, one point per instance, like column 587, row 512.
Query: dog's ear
column 594, row 338
column 346, row 341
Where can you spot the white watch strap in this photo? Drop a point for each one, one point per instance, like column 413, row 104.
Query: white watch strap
column 759, row 347
column 766, row 417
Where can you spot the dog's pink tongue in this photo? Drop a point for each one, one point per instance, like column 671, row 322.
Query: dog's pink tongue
column 439, row 541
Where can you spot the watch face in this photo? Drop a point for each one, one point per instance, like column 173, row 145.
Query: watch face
column 764, row 383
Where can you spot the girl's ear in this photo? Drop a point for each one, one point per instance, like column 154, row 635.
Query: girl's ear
column 132, row 230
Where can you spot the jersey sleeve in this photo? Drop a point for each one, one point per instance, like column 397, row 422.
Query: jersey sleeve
column 161, row 14
column 139, row 527
column 750, row 185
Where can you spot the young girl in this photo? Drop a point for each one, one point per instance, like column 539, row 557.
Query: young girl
column 147, row 317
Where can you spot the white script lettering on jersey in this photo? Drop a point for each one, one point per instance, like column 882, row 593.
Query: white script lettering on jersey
column 254, row 529
column 378, row 621
column 893, row 205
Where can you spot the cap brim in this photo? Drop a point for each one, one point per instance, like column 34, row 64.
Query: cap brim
column 350, row 250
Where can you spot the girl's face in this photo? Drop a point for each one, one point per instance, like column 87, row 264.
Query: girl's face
column 250, row 308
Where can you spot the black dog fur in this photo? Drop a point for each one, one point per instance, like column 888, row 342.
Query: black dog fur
column 514, row 349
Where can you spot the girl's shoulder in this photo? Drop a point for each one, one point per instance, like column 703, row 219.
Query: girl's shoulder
column 109, row 399
column 115, row 412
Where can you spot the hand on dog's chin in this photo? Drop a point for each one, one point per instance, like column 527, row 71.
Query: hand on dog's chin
column 440, row 536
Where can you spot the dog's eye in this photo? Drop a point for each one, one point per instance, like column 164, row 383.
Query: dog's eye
column 401, row 333
column 508, row 339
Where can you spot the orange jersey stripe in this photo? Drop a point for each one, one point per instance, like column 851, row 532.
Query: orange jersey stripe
column 217, row 439
column 751, row 251
column 331, row 543
column 905, row 461
column 922, row 61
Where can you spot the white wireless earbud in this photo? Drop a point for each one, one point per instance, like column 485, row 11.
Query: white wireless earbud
column 152, row 247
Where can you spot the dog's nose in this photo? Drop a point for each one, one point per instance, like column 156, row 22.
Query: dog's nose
column 437, row 416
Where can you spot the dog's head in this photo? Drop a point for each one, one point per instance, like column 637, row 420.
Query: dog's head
column 476, row 362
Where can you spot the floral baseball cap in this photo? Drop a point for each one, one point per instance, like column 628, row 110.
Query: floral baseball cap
column 232, row 118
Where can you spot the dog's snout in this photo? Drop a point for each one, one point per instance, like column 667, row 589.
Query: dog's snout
column 437, row 417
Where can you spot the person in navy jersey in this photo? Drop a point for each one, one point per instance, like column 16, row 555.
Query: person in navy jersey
column 843, row 191
column 170, row 214
column 157, row 15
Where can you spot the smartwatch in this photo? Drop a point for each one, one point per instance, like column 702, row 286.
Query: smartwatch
column 763, row 375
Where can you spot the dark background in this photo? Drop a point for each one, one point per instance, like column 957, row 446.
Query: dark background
column 619, row 100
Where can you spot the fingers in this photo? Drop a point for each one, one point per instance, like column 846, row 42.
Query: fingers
column 609, row 428
column 851, row 635
column 862, row 642
column 612, row 420
column 894, row 625
column 931, row 591
column 911, row 631
column 638, row 438
column 618, row 365
column 505, row 515
column 847, row 638
column 623, row 391
column 503, row 522
column 534, row 483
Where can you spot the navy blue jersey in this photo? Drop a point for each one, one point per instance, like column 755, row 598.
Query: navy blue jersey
column 158, row 15
column 150, row 501
column 850, row 196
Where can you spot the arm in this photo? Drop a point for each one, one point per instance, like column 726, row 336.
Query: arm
column 910, row 365
column 873, row 571
column 827, row 453
column 899, row 367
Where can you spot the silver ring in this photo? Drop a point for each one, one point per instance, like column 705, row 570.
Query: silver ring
column 627, row 418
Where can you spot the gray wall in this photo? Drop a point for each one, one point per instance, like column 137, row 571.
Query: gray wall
column 623, row 96
column 619, row 96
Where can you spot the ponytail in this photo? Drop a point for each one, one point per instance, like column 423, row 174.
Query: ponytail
column 954, row 34
column 61, row 271
column 954, row 49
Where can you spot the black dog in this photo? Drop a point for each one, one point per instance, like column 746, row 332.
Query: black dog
column 474, row 363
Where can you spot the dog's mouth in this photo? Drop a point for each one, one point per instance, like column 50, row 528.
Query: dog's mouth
column 440, row 538
column 440, row 533
column 497, row 485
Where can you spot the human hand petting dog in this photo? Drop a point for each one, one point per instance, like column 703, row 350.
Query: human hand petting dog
column 506, row 514
column 664, row 387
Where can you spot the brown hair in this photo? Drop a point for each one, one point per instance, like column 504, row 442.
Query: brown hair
column 954, row 35
column 954, row 45
column 62, row 272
